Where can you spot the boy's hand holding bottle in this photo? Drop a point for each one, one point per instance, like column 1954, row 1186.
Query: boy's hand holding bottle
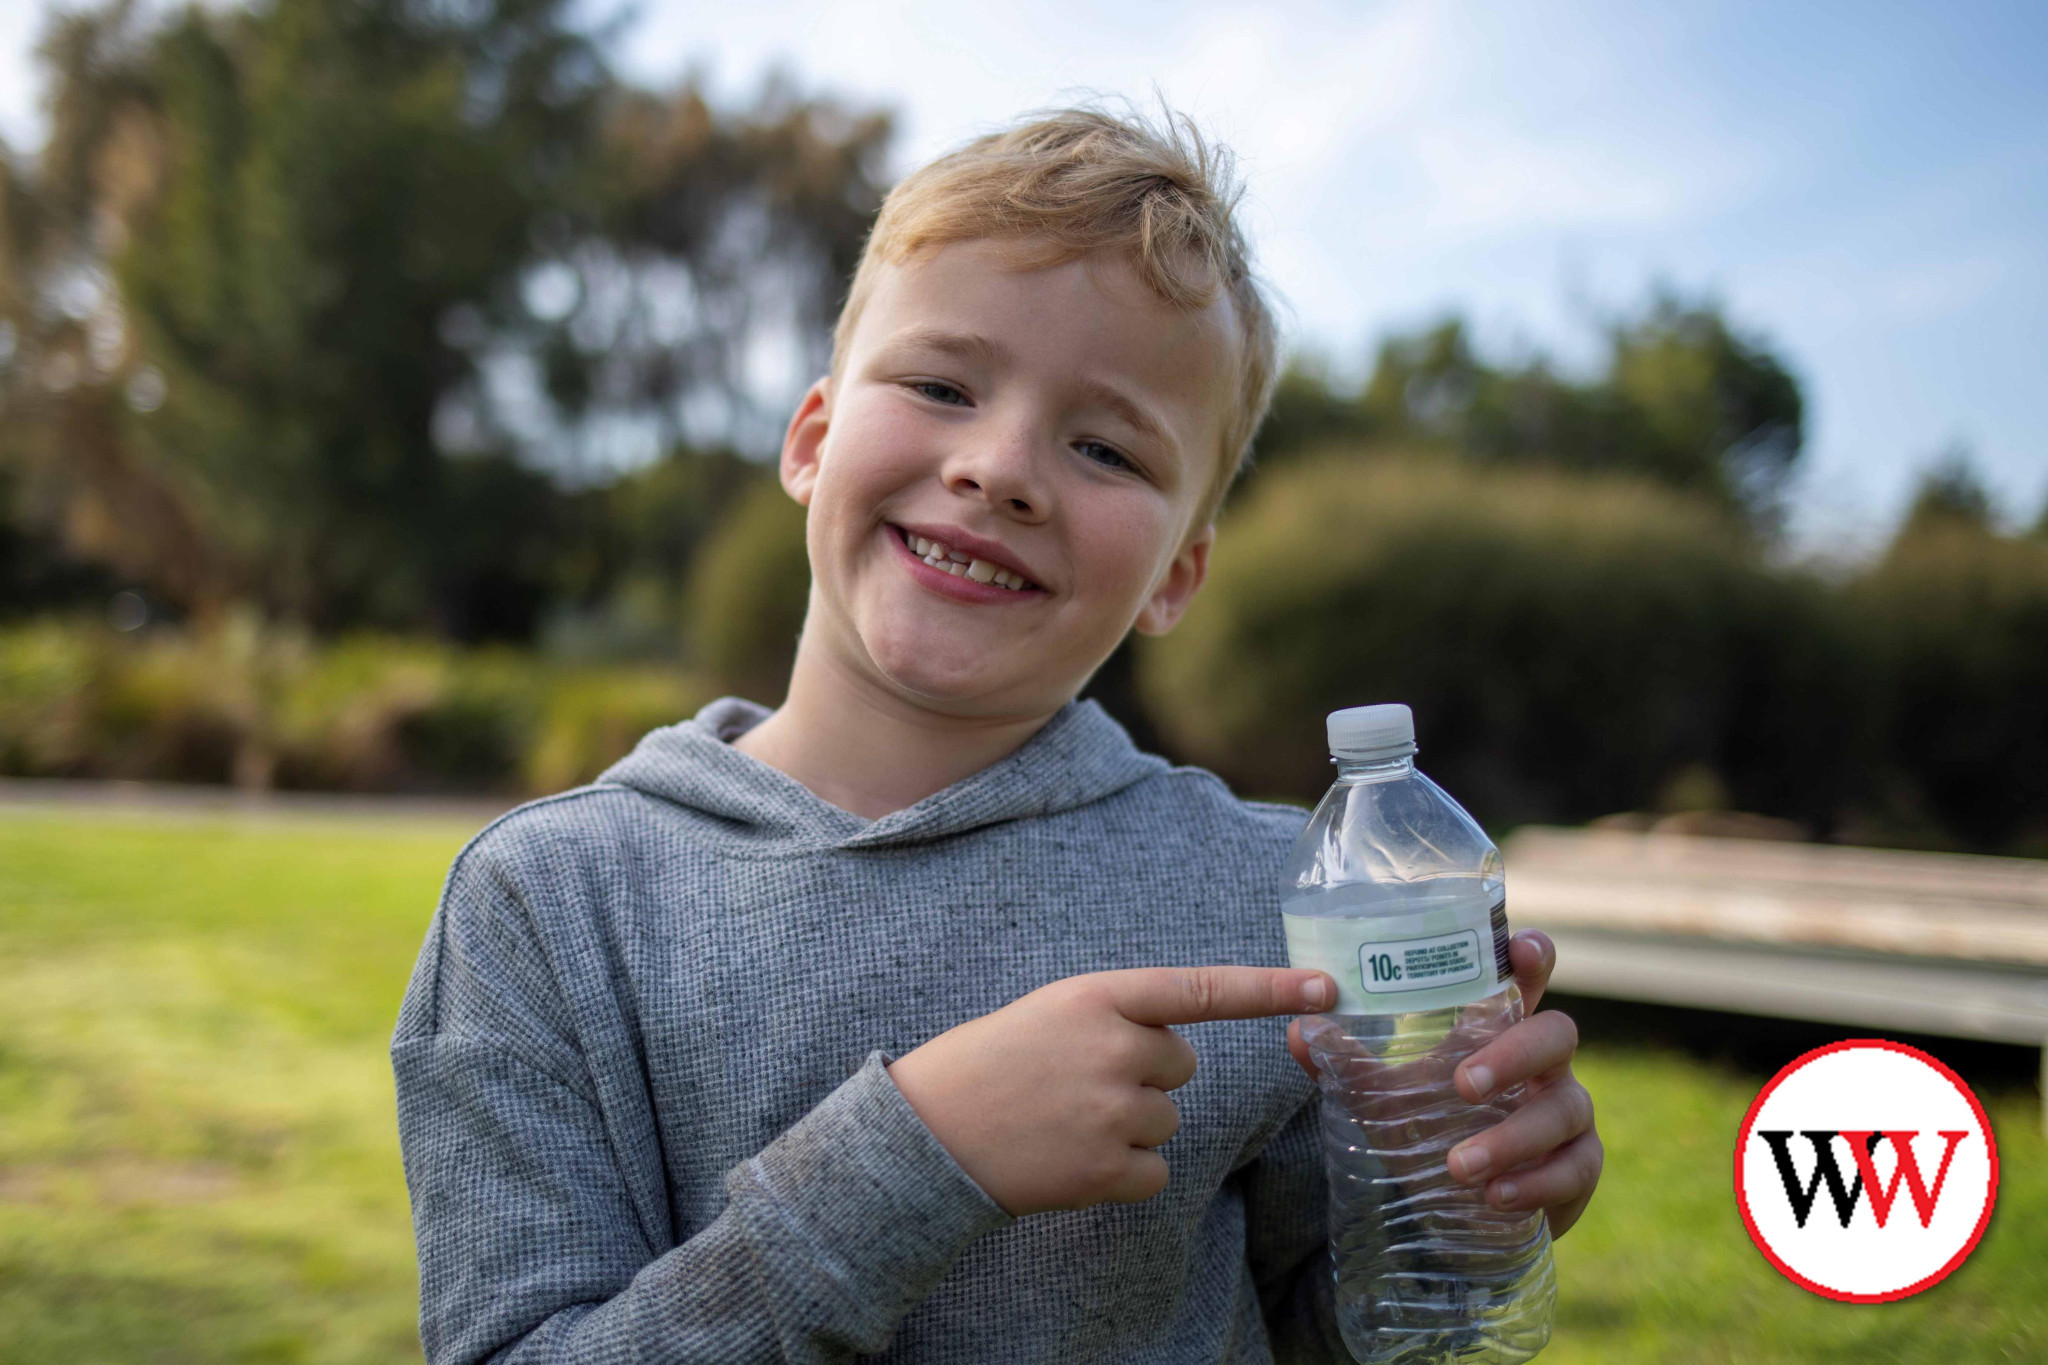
column 1056, row 1100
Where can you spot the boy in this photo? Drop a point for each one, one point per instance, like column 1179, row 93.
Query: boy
column 846, row 1028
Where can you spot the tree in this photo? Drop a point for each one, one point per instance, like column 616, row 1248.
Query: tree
column 1962, row 613
column 328, row 303
column 261, row 218
column 1571, row 643
column 1950, row 495
column 1708, row 407
column 82, row 499
column 1682, row 398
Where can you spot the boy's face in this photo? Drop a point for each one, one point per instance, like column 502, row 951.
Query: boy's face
column 1061, row 425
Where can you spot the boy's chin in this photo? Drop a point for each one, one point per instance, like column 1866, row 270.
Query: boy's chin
column 961, row 681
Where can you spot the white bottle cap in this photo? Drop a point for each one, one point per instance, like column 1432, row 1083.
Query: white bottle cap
column 1372, row 734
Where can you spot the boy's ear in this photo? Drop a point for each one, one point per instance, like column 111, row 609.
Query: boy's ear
column 1177, row 588
column 803, row 445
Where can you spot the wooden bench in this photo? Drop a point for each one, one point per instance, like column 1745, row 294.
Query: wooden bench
column 1947, row 944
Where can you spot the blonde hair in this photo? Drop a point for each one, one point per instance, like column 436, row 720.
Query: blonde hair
column 1071, row 182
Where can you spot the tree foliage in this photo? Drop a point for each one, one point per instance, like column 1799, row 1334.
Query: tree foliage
column 748, row 593
column 328, row 304
column 1950, row 496
column 1571, row 644
column 1961, row 615
column 1682, row 398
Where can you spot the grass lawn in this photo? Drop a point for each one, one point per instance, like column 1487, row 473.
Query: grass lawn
column 198, row 1159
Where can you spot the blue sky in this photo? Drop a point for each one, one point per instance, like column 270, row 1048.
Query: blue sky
column 1865, row 185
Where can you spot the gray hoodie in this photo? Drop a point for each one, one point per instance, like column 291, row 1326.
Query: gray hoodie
column 641, row 1084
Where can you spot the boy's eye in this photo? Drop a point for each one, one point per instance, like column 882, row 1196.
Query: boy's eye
column 1108, row 456
column 940, row 392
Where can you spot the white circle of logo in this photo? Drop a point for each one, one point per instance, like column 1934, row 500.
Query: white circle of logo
column 1866, row 1171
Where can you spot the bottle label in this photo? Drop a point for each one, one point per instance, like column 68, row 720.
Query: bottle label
column 1419, row 964
column 1424, row 959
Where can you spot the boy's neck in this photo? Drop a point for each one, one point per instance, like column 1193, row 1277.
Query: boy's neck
column 865, row 749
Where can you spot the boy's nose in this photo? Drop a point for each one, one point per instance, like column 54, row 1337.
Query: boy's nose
column 1003, row 472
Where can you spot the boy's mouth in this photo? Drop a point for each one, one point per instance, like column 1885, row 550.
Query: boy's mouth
column 961, row 564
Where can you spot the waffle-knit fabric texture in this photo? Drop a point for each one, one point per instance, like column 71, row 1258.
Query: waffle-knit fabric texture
column 641, row 1076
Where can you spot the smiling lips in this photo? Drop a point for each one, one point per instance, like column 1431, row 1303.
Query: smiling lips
column 961, row 564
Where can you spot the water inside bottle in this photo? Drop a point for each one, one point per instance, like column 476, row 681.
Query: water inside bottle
column 1426, row 1270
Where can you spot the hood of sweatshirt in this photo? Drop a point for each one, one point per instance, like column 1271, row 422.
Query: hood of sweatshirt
column 1079, row 756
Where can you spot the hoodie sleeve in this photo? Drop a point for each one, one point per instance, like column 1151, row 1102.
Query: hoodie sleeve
column 540, row 1205
column 1287, row 1245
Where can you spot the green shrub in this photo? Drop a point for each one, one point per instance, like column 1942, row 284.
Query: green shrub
column 164, row 713
column 473, row 733
column 78, row 699
column 1962, row 615
column 594, row 718
column 260, row 706
column 46, row 668
column 1571, row 646
column 748, row 589
column 341, row 725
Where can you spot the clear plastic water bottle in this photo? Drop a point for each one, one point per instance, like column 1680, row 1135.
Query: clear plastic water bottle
column 1397, row 893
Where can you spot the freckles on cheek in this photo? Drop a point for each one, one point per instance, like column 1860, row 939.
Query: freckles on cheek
column 1128, row 545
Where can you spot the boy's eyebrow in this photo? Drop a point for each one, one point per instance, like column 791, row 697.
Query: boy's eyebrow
column 1095, row 391
column 966, row 345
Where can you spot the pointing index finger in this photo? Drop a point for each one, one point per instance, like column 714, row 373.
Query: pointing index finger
column 1192, row 995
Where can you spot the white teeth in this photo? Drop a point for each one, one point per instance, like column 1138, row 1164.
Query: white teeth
column 962, row 565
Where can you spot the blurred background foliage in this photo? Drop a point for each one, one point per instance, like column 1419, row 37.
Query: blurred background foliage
column 1580, row 640
column 351, row 311
column 385, row 392
column 1681, row 399
column 263, row 706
